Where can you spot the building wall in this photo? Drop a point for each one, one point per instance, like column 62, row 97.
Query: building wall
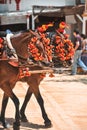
column 82, row 1
column 27, row 5
column 9, row 13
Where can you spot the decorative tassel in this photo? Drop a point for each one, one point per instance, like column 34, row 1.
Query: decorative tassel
column 43, row 75
column 51, row 75
column 23, row 72
column 27, row 72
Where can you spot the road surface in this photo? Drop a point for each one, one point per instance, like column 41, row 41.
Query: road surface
column 65, row 100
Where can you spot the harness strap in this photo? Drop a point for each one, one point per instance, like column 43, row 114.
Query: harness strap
column 35, row 34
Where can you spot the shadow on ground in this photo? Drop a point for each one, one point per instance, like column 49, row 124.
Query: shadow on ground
column 23, row 126
column 68, row 78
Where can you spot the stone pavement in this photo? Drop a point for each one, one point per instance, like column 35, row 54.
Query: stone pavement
column 65, row 100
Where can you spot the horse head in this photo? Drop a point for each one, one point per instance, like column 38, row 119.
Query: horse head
column 20, row 43
column 32, row 45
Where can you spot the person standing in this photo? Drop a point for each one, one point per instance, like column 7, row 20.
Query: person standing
column 84, row 48
column 84, row 42
column 77, row 54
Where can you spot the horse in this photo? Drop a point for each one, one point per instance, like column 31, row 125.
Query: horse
column 9, row 75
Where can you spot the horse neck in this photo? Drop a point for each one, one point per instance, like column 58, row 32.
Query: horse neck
column 20, row 44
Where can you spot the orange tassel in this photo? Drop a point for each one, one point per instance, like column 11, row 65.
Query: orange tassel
column 51, row 75
column 43, row 75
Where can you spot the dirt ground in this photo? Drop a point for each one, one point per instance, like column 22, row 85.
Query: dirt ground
column 65, row 100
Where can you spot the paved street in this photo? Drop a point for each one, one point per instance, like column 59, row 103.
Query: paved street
column 65, row 100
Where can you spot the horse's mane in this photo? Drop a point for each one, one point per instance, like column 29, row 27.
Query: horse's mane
column 23, row 36
column 22, row 33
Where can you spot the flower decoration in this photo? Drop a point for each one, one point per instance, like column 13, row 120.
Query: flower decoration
column 47, row 47
column 62, row 25
column 44, row 27
column 42, row 75
column 35, row 51
column 24, row 72
column 64, row 48
column 51, row 75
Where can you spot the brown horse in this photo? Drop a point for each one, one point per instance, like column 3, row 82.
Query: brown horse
column 34, row 81
column 9, row 76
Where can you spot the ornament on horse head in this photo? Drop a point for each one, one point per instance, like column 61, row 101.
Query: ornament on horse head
column 62, row 25
column 44, row 27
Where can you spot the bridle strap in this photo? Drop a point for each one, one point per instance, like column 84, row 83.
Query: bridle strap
column 22, row 58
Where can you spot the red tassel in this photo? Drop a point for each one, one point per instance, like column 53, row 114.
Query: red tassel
column 51, row 75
